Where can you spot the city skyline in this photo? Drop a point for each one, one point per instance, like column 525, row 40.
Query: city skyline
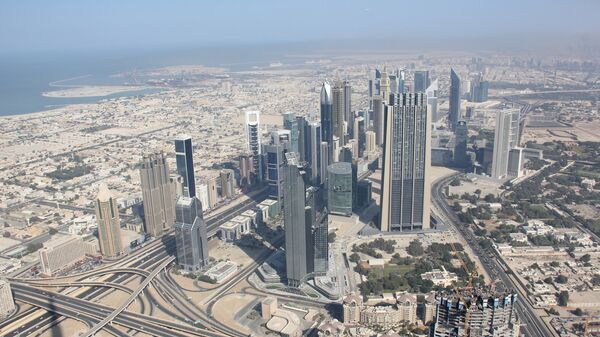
column 299, row 170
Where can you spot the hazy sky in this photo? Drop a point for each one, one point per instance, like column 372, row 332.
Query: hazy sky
column 85, row 24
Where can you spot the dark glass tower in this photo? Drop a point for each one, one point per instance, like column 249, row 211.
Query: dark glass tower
column 421, row 80
column 190, row 234
column 297, row 225
column 290, row 123
column 185, row 164
column 454, row 110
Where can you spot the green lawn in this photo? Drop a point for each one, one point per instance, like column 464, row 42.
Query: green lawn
column 392, row 268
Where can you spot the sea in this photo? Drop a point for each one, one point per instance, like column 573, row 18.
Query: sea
column 25, row 76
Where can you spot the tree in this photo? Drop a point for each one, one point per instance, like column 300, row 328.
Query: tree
column 354, row 258
column 585, row 258
column 578, row 312
column 563, row 298
column 562, row 279
column 415, row 248
column 555, row 264
column 52, row 231
column 6, row 234
column 331, row 237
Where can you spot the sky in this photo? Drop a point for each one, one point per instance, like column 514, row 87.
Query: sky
column 37, row 25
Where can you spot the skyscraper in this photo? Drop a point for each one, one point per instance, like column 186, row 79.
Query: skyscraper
column 275, row 160
column 432, row 102
column 454, row 102
column 109, row 223
column 338, row 110
column 326, row 118
column 159, row 204
column 421, row 80
column 339, row 184
column 290, row 123
column 461, row 135
column 406, row 159
column 385, row 86
column 301, row 124
column 348, row 113
column 185, row 164
column 378, row 119
column 317, row 215
column 401, row 83
column 298, row 231
column 190, row 235
column 476, row 312
column 505, row 138
column 312, row 151
column 227, row 183
column 359, row 134
column 253, row 141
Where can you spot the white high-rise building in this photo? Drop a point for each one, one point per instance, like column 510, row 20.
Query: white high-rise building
column 432, row 101
column 7, row 302
column 253, row 140
column 505, row 138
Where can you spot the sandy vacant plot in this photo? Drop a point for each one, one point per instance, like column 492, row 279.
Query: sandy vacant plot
column 226, row 309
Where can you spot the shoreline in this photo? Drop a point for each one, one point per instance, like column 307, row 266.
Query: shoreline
column 87, row 91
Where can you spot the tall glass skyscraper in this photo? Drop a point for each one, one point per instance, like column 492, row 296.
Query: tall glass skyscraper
column 339, row 184
column 338, row 117
column 290, row 123
column 406, row 159
column 275, row 160
column 454, row 110
column 298, row 231
column 190, row 235
column 326, row 118
column 185, row 164
column 421, row 80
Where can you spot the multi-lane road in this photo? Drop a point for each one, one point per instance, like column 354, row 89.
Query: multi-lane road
column 532, row 324
column 139, row 263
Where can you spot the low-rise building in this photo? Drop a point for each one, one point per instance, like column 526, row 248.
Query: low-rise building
column 383, row 312
column 222, row 271
column 441, row 277
column 7, row 302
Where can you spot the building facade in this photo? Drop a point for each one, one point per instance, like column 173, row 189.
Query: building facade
column 60, row 253
column 339, row 185
column 298, row 247
column 275, row 159
column 326, row 101
column 476, row 312
column 505, row 138
column 159, row 204
column 109, row 223
column 406, row 161
column 7, row 302
column 190, row 235
column 253, row 140
column 185, row 164
column 454, row 101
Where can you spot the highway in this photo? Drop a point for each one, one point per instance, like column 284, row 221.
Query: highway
column 532, row 325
